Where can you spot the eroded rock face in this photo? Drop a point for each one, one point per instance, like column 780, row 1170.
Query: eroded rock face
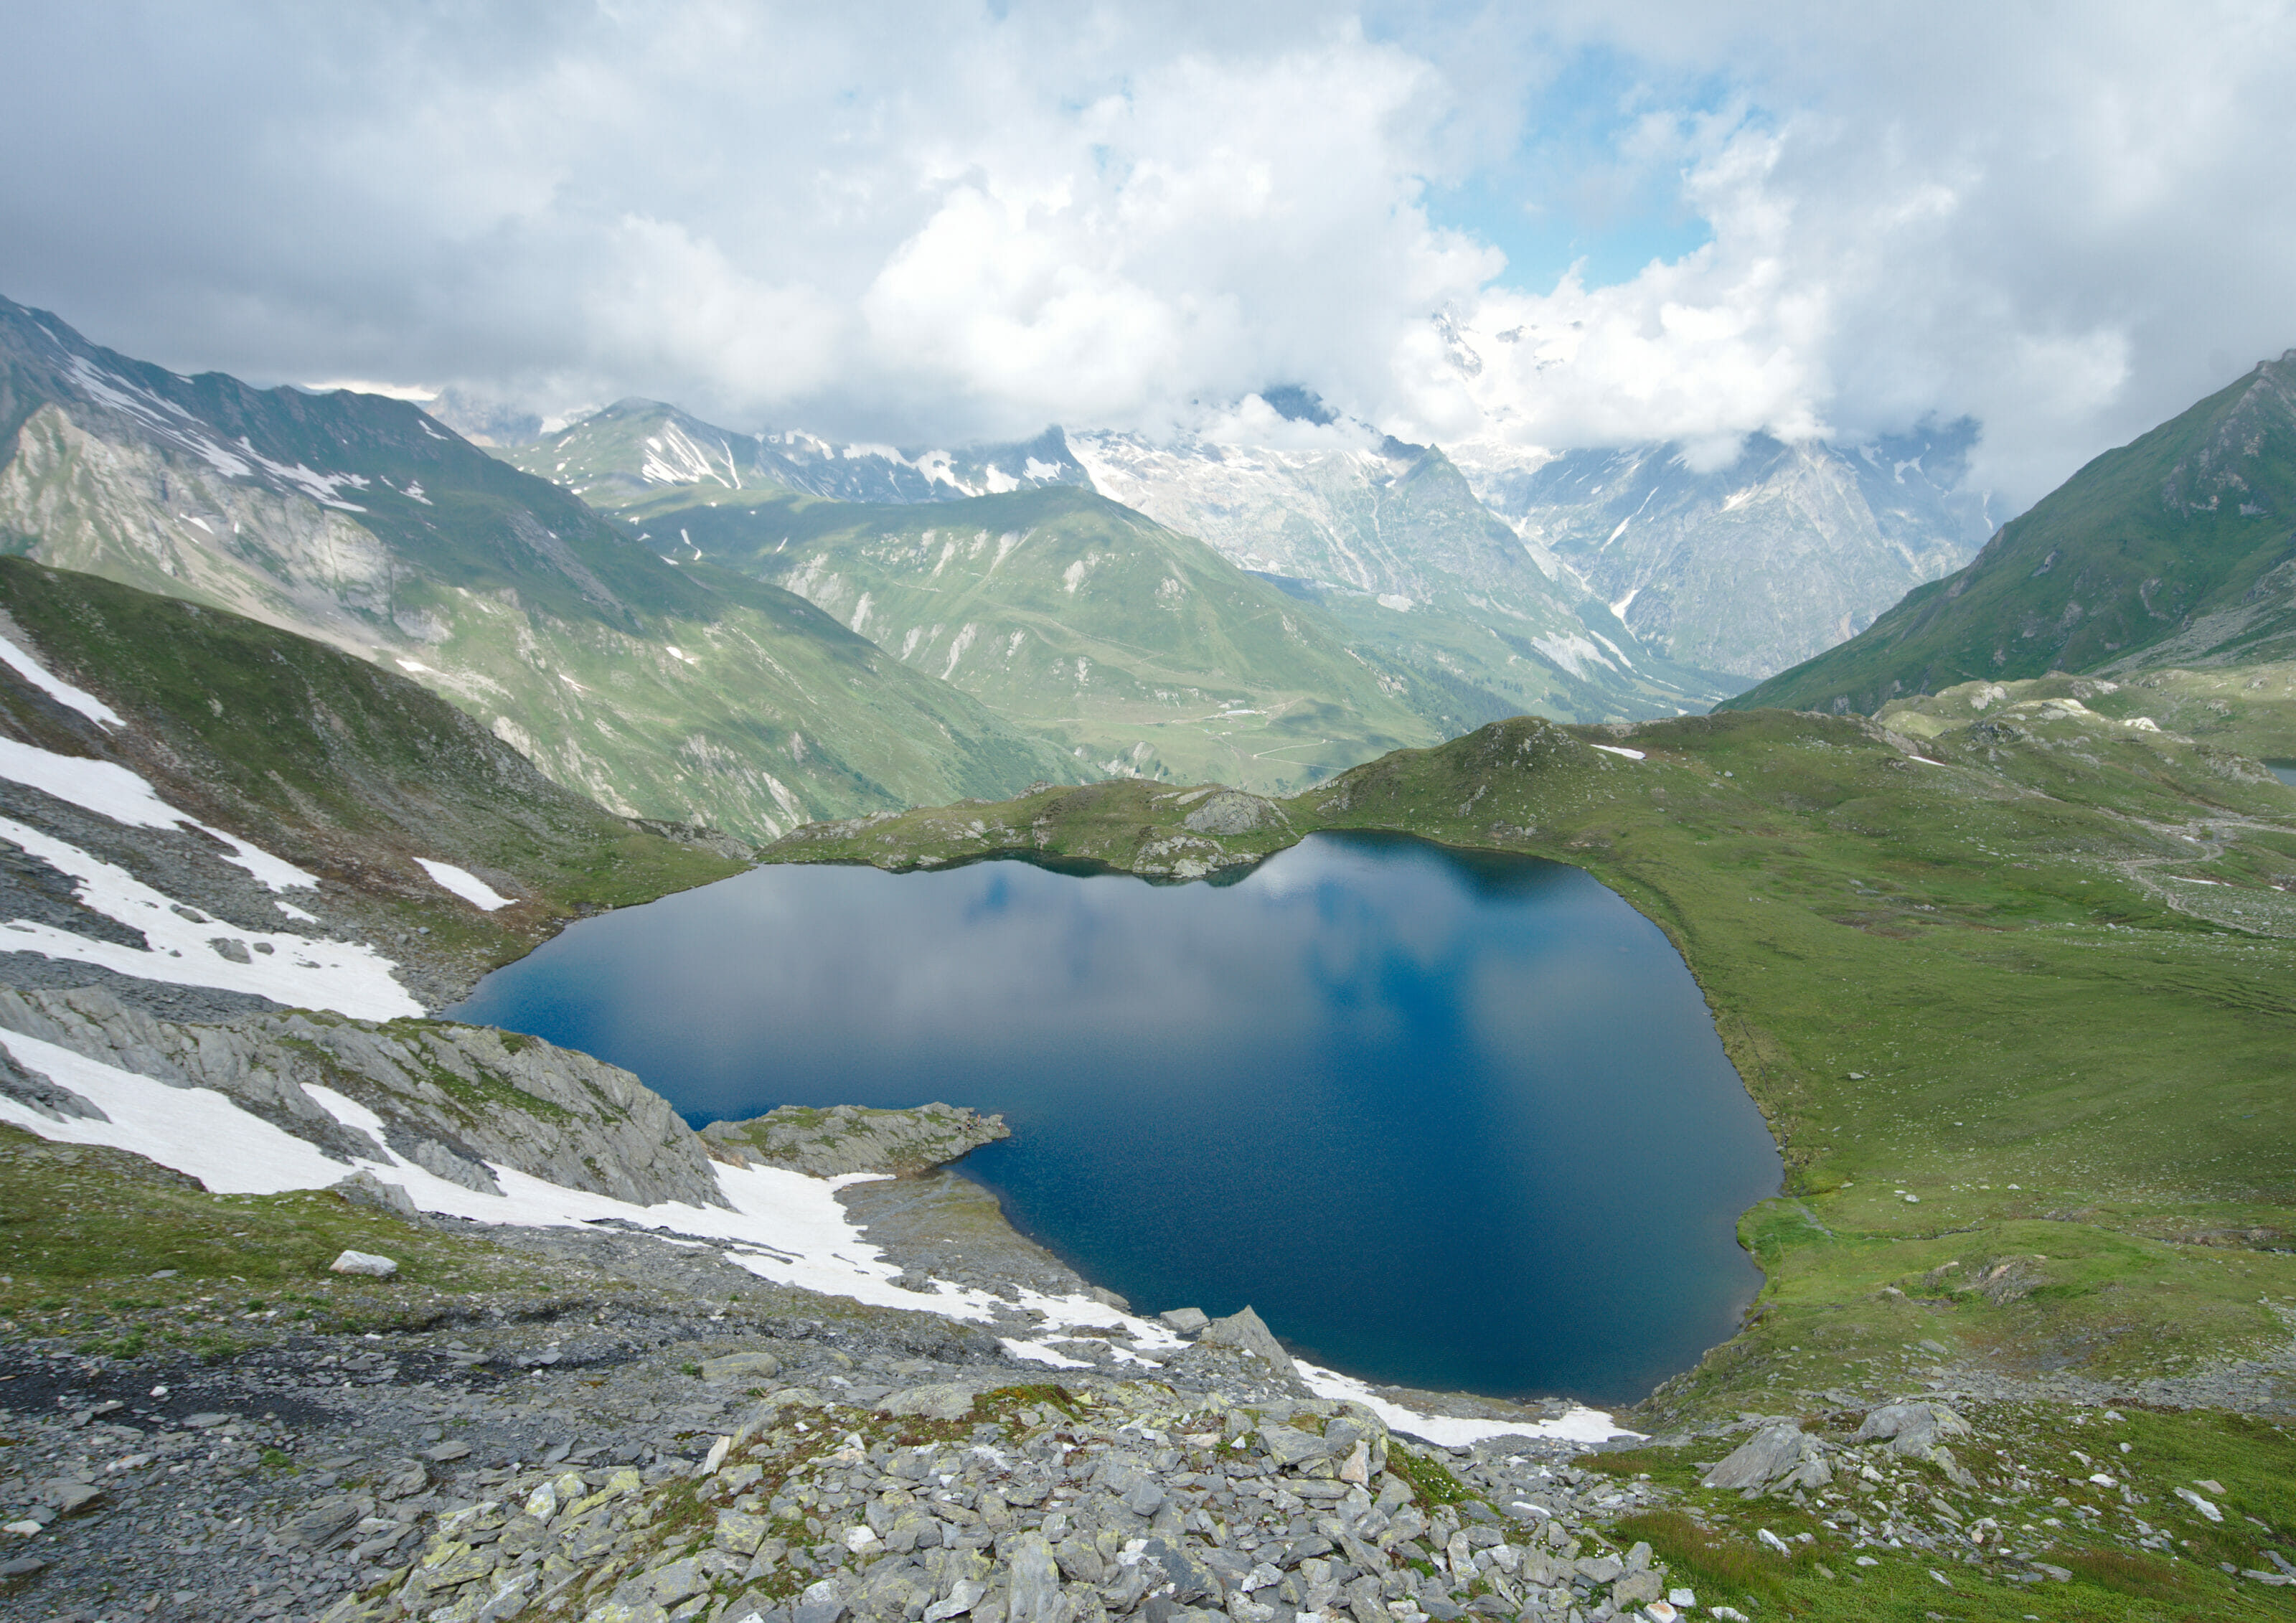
column 452, row 1098
column 849, row 1138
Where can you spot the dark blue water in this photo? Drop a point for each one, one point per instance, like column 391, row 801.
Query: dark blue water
column 1451, row 1120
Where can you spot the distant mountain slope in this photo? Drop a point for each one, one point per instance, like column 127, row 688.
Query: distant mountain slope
column 1080, row 620
column 1786, row 551
column 1393, row 541
column 634, row 448
column 357, row 520
column 121, row 712
column 2177, row 548
column 1386, row 540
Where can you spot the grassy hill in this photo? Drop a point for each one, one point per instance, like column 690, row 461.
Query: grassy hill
column 2174, row 549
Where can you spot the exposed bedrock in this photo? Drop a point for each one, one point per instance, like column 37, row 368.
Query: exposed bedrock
column 450, row 1098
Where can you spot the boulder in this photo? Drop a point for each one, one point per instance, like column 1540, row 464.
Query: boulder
column 1246, row 1329
column 1913, row 1428
column 742, row 1366
column 1184, row 1321
column 363, row 1188
column 1637, row 1589
column 68, row 1494
column 1035, row 1596
column 364, row 1263
column 1780, row 1455
column 1289, row 1447
column 940, row 1401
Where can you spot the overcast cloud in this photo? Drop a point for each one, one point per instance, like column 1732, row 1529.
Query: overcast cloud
column 940, row 222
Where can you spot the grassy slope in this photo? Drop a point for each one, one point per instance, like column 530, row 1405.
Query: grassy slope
column 1003, row 595
column 1985, row 943
column 2175, row 528
column 328, row 761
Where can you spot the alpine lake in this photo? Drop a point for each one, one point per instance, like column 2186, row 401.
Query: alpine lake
column 1452, row 1120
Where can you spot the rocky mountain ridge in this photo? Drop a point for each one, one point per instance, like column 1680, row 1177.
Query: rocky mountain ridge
column 628, row 453
column 1755, row 566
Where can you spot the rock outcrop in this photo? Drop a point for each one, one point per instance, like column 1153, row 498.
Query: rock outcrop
column 1779, row 1456
column 850, row 1138
column 1024, row 1504
column 449, row 1098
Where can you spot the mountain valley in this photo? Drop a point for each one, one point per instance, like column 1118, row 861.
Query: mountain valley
column 2004, row 965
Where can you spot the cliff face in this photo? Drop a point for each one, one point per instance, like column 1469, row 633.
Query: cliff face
column 449, row 1098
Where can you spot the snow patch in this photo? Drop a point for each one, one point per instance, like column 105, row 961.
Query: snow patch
column 115, row 792
column 56, row 688
column 782, row 1225
column 463, row 883
column 1580, row 1424
column 295, row 971
column 1570, row 653
column 956, row 649
column 1632, row 755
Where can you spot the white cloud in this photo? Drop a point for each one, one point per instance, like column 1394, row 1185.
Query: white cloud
column 940, row 222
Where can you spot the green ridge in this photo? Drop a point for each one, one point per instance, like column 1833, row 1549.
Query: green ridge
column 2175, row 548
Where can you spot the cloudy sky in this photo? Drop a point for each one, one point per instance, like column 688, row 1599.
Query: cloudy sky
column 1558, row 225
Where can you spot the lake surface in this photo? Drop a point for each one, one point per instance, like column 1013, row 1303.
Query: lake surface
column 1447, row 1119
column 2285, row 771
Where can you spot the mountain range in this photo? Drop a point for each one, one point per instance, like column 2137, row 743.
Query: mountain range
column 1444, row 613
column 680, row 694
column 1469, row 569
